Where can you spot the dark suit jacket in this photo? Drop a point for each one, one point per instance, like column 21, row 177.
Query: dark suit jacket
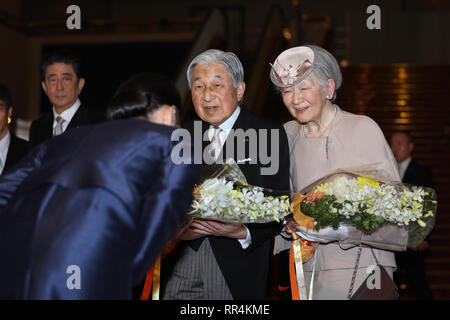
column 246, row 271
column 105, row 198
column 417, row 174
column 42, row 128
column 18, row 148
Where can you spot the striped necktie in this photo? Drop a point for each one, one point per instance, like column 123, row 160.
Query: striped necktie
column 216, row 145
column 59, row 126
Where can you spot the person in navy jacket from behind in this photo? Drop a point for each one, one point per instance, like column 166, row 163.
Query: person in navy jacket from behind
column 86, row 214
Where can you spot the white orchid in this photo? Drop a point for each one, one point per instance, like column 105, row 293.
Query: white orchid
column 385, row 200
column 216, row 199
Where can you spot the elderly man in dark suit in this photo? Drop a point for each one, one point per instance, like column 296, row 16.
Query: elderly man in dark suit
column 12, row 148
column 413, row 173
column 228, row 261
column 63, row 82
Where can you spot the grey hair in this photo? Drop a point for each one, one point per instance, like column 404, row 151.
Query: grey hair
column 228, row 59
column 326, row 67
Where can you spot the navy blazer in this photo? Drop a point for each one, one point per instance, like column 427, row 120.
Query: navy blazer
column 246, row 271
column 105, row 199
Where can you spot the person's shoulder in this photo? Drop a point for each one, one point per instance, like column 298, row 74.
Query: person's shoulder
column 419, row 166
column 19, row 141
column 292, row 126
column 19, row 147
column 43, row 119
column 93, row 115
column 41, row 124
column 356, row 122
column 137, row 126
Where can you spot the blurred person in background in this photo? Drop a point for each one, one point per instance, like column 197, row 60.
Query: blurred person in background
column 62, row 80
column 12, row 148
column 411, row 261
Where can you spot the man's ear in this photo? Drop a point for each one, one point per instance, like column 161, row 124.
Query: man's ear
column 44, row 87
column 240, row 90
column 81, row 83
column 410, row 147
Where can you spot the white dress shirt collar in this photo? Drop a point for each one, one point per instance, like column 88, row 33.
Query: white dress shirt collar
column 67, row 114
column 4, row 147
column 402, row 166
column 226, row 126
column 229, row 123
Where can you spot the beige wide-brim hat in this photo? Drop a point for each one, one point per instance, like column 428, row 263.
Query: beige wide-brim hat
column 294, row 65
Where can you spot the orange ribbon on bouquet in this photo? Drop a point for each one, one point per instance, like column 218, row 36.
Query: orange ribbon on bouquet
column 152, row 278
column 292, row 274
column 301, row 251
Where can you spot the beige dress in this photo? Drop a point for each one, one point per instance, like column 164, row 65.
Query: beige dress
column 353, row 140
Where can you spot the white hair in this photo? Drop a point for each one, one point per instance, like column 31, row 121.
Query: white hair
column 228, row 59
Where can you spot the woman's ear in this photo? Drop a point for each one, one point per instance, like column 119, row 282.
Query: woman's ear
column 331, row 87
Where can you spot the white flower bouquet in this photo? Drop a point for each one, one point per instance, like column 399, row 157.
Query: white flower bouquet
column 225, row 195
column 355, row 207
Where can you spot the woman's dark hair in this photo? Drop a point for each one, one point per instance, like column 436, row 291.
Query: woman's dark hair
column 128, row 104
column 141, row 94
column 5, row 95
column 62, row 57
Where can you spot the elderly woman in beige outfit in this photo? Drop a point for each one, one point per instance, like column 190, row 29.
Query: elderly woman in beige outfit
column 323, row 138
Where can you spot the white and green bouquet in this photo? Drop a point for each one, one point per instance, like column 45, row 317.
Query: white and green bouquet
column 356, row 206
column 224, row 195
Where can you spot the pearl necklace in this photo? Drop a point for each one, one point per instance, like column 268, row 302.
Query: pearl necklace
column 324, row 130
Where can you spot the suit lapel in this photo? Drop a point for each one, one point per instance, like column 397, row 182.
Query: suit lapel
column 17, row 150
column 240, row 123
column 79, row 118
column 10, row 155
column 409, row 171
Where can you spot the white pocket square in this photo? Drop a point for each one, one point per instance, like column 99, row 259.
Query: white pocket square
column 244, row 160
